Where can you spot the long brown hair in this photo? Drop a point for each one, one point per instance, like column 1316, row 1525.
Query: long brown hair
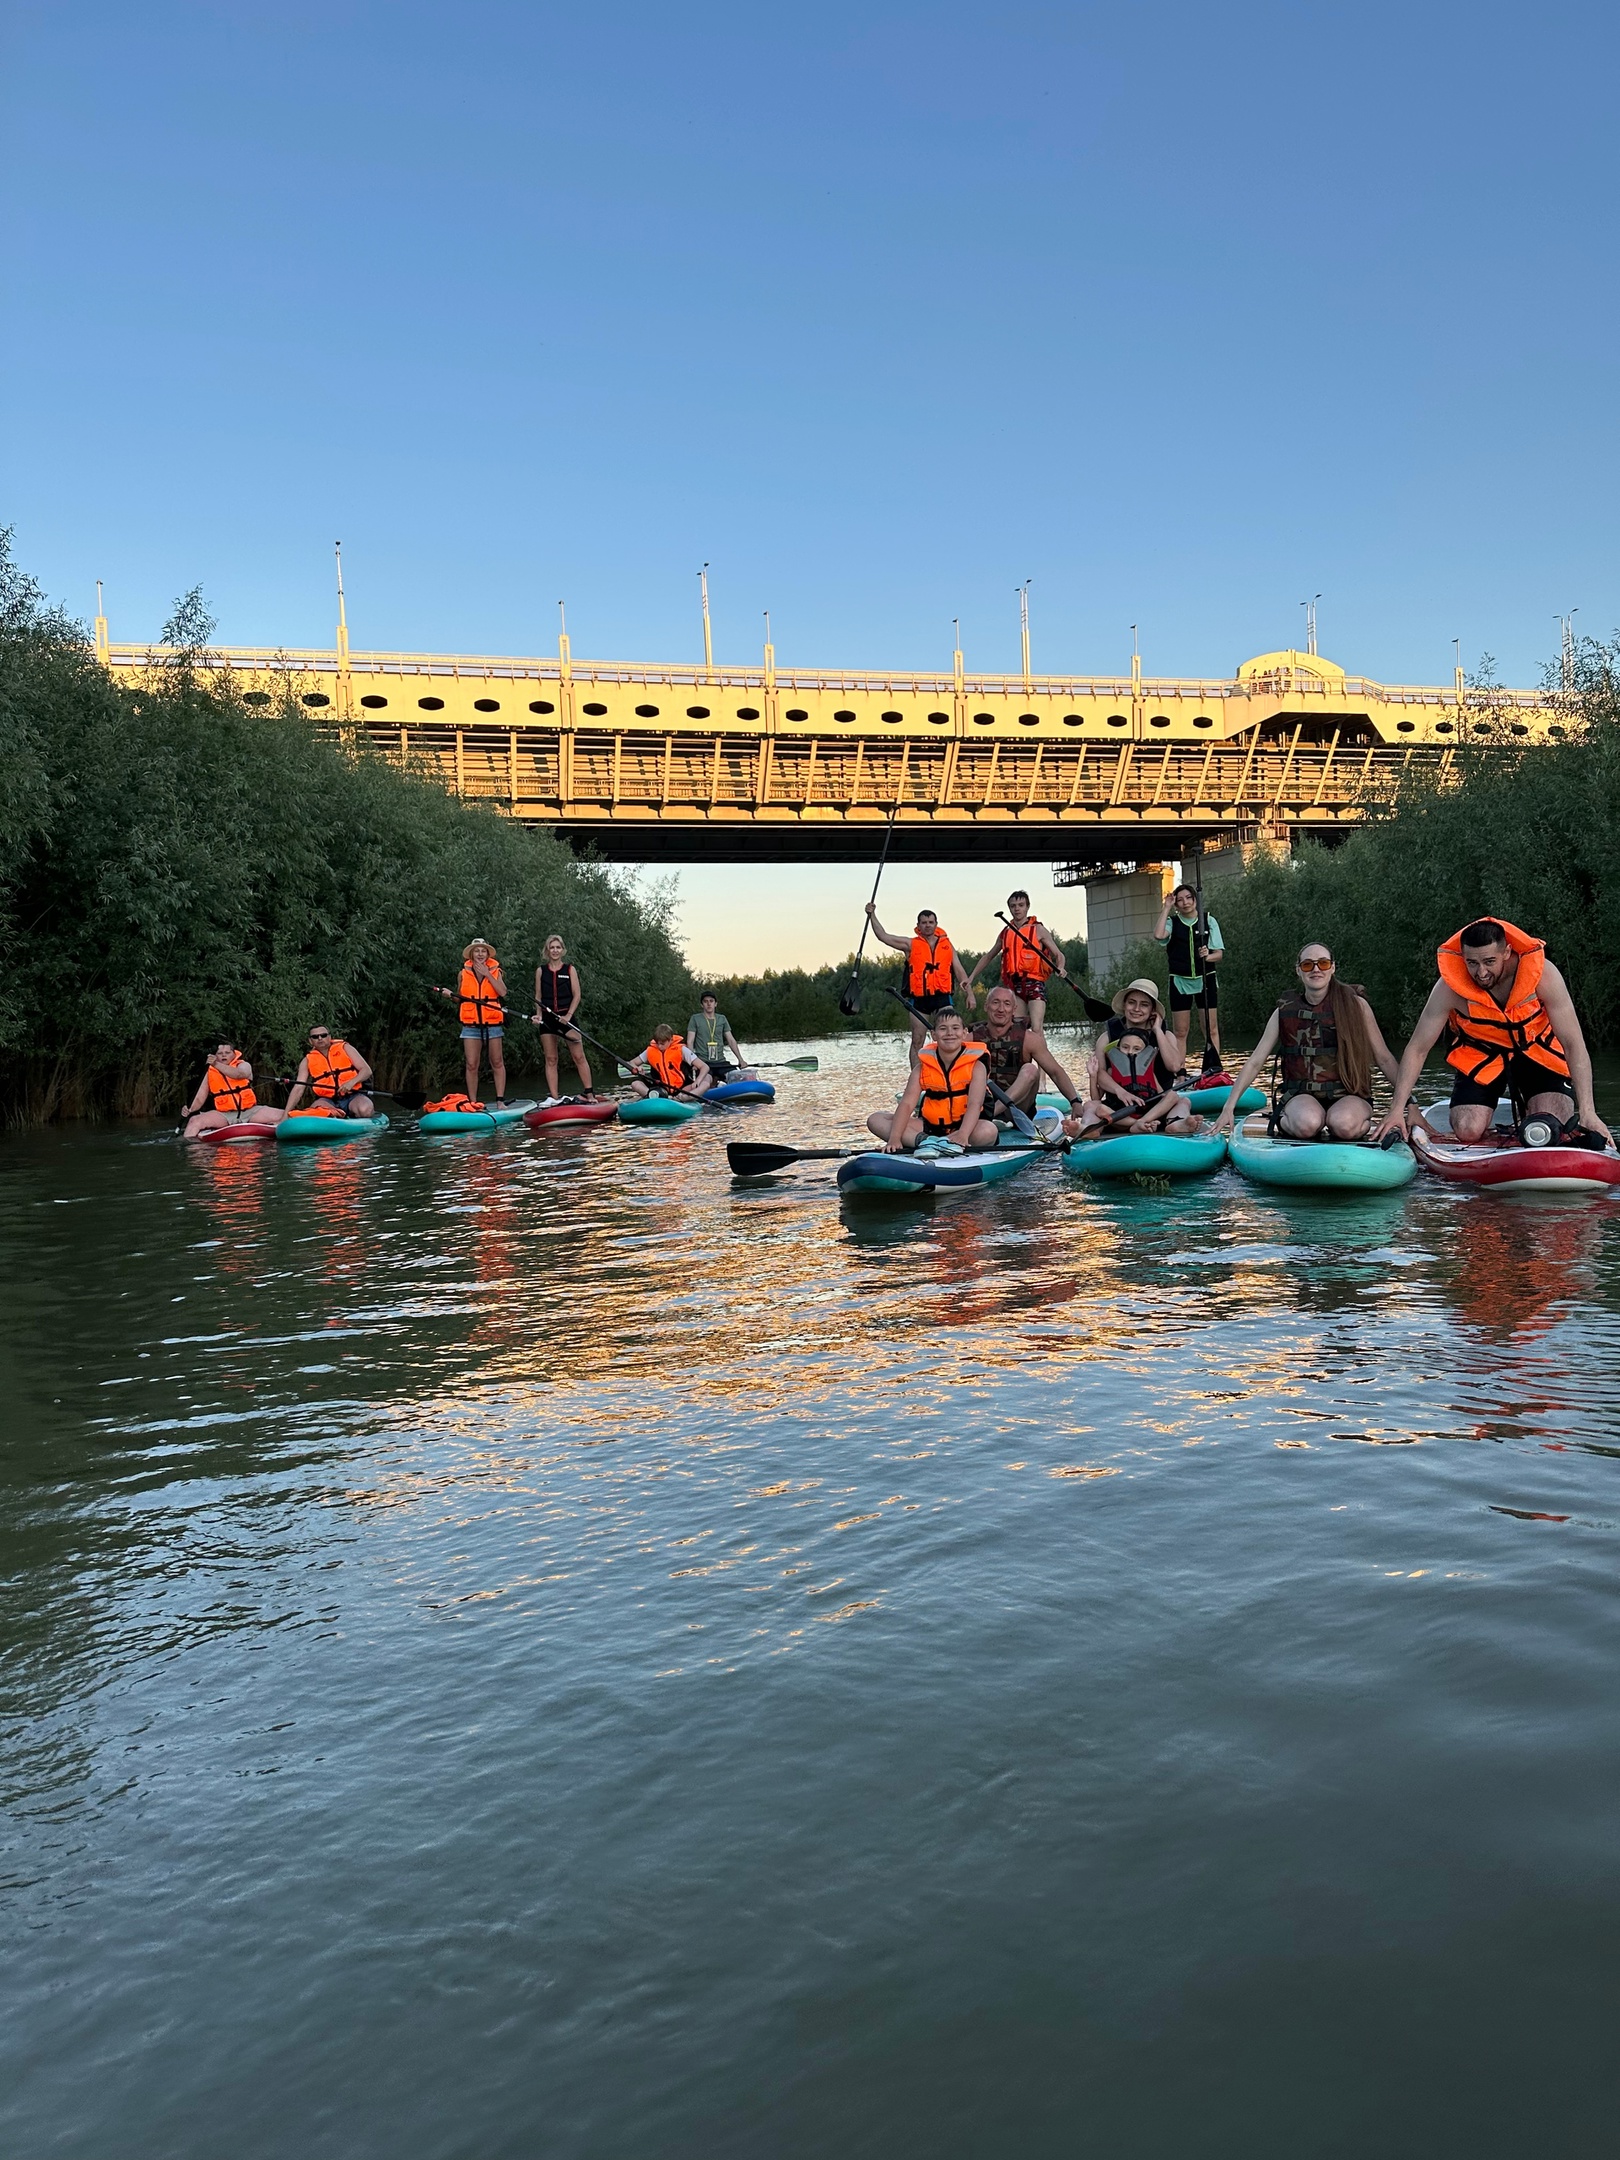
column 1343, row 1003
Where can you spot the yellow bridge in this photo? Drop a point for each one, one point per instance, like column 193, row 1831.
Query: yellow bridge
column 679, row 763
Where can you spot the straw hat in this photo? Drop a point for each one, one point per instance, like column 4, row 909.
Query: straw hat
column 1147, row 988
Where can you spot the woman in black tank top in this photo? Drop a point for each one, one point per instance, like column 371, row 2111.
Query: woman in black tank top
column 557, row 993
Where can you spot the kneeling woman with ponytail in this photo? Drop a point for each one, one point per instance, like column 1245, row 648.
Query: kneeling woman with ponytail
column 1328, row 1043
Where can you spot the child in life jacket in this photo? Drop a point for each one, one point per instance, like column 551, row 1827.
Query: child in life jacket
column 1135, row 1091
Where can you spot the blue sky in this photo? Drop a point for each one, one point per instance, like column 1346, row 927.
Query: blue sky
column 1185, row 313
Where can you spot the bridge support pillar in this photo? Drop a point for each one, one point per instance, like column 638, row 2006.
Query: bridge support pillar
column 1121, row 910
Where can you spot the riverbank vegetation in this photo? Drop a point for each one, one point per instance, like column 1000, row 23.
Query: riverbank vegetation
column 176, row 868
column 1529, row 831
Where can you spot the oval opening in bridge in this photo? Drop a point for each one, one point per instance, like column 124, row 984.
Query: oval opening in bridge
column 1074, row 719
column 316, row 697
column 596, row 711
column 1117, row 719
column 1029, row 719
column 1556, row 733
column 374, row 704
column 1519, row 728
column 1442, row 727
column 984, row 719
column 1159, row 720
column 693, row 712
column 846, row 715
column 539, row 705
column 939, row 719
column 797, row 712
column 747, row 712
column 1405, row 727
column 486, row 704
column 431, row 704
column 893, row 718
column 1202, row 720
column 650, row 712
column 257, row 697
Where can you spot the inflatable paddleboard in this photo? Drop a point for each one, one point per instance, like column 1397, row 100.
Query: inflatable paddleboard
column 571, row 1111
column 741, row 1091
column 236, row 1135
column 1501, row 1159
column 1325, row 1165
column 1210, row 1101
column 300, row 1128
column 1147, row 1155
column 657, row 1110
column 432, row 1121
column 882, row 1173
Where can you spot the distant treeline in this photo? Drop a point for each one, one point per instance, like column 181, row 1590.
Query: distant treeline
column 1528, row 831
column 175, row 869
column 795, row 1002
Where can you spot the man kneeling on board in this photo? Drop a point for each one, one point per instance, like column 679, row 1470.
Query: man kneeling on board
column 335, row 1074
column 667, row 1067
column 944, row 1094
column 227, row 1089
column 1511, row 1030
column 1016, row 1055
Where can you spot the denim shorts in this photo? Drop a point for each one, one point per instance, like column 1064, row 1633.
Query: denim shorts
column 481, row 1034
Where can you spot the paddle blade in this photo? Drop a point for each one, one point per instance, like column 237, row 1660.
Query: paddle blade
column 757, row 1158
column 1095, row 1008
column 406, row 1101
column 1211, row 1061
column 849, row 1003
column 802, row 1065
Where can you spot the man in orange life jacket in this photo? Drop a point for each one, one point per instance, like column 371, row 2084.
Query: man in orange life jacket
column 667, row 1065
column 1511, row 1030
column 1028, row 956
column 227, row 1089
column 335, row 1074
column 944, row 1095
column 931, row 969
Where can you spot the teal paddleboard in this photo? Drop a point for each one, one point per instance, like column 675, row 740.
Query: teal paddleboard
column 1323, row 1165
column 1147, row 1154
column 308, row 1131
column 657, row 1110
column 432, row 1121
column 1209, row 1102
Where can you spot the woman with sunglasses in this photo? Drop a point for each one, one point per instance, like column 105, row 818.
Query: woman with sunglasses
column 1328, row 1042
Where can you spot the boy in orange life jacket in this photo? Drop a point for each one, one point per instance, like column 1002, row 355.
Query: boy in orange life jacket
column 667, row 1065
column 944, row 1095
column 1028, row 957
column 931, row 968
column 335, row 1074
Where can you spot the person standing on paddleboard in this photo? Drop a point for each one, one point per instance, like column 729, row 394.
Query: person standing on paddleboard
column 1028, row 956
column 1194, row 952
column 481, row 999
column 944, row 1093
column 931, row 968
column 1016, row 1053
column 708, row 1033
column 667, row 1067
column 1511, row 1030
column 1329, row 1042
column 557, row 992
column 227, row 1089
column 335, row 1074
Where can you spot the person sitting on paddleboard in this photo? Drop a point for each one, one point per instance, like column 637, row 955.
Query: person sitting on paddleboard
column 931, row 968
column 1134, row 1089
column 1511, row 1030
column 1138, row 1006
column 708, row 1033
column 1193, row 954
column 480, row 999
column 1329, row 1041
column 1016, row 1053
column 335, row 1074
column 944, row 1093
column 667, row 1067
column 227, row 1089
column 557, row 993
column 1027, row 955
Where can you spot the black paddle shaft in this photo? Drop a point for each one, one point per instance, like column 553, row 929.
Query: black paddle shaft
column 1095, row 1009
column 1021, row 1120
column 655, row 1086
column 849, row 1003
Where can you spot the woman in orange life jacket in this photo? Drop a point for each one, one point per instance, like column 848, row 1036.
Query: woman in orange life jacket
column 944, row 1094
column 666, row 1066
column 931, row 968
column 334, row 1074
column 1511, row 1030
column 1028, row 956
column 480, row 997
column 227, row 1089
column 1329, row 1042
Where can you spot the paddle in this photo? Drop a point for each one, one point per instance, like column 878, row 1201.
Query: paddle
column 1021, row 1123
column 1211, row 1059
column 805, row 1064
column 755, row 1158
column 1095, row 1008
column 849, row 1003
column 656, row 1087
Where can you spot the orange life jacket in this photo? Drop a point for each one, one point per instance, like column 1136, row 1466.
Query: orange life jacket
column 928, row 973
column 942, row 1104
column 452, row 1102
column 333, row 1073
column 1022, row 953
column 480, row 1007
column 668, row 1063
column 228, row 1094
column 1484, row 1034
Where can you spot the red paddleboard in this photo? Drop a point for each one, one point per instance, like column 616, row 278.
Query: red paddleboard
column 569, row 1113
column 237, row 1135
column 1502, row 1159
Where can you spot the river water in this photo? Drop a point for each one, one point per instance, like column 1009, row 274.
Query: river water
column 524, row 1647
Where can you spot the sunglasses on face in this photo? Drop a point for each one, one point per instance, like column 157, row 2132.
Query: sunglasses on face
column 1315, row 967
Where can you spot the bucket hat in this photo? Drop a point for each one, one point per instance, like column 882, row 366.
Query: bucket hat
column 1147, row 988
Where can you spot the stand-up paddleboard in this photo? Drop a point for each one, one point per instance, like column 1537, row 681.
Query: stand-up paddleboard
column 571, row 1111
column 1147, row 1154
column 305, row 1128
column 432, row 1121
column 236, row 1135
column 657, row 1110
column 742, row 1091
column 882, row 1173
column 1323, row 1165
column 1211, row 1101
column 1503, row 1161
